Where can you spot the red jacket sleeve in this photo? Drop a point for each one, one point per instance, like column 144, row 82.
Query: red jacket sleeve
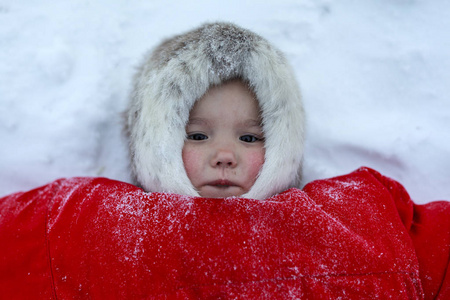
column 429, row 228
column 25, row 270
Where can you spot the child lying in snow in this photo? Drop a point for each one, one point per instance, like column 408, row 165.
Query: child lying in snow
column 214, row 62
column 216, row 112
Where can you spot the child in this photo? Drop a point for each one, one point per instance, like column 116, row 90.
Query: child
column 215, row 113
column 224, row 150
column 166, row 94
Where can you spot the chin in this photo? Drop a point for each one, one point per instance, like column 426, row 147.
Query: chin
column 221, row 192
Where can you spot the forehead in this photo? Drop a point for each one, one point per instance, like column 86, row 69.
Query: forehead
column 233, row 98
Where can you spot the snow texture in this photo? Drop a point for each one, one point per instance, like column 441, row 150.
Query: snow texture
column 374, row 77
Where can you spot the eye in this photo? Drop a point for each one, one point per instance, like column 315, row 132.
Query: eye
column 248, row 138
column 197, row 137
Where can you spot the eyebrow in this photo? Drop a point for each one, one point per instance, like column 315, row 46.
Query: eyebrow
column 252, row 123
column 198, row 121
column 246, row 123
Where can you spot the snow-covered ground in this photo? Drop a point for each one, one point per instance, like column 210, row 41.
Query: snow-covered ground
column 375, row 77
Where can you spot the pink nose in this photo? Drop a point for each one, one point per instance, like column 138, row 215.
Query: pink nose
column 224, row 159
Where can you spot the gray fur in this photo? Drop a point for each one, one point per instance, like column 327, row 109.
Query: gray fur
column 178, row 72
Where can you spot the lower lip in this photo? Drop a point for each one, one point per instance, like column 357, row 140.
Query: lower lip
column 220, row 191
column 222, row 183
column 222, row 186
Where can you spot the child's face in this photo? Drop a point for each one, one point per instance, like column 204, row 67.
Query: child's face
column 224, row 150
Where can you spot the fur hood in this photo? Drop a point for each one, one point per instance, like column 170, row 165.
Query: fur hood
column 178, row 72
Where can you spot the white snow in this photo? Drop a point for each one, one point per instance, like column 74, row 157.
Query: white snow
column 374, row 74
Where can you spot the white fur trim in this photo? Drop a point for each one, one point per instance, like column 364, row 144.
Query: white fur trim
column 180, row 71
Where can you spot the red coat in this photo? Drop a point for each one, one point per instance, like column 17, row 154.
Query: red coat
column 358, row 236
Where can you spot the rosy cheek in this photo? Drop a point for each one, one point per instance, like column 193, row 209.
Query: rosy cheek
column 256, row 161
column 191, row 161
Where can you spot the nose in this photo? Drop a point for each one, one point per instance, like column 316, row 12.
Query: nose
column 224, row 158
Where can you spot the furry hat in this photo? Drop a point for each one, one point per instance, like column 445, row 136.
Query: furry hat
column 178, row 72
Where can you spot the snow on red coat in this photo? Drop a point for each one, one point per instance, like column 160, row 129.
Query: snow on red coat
column 357, row 236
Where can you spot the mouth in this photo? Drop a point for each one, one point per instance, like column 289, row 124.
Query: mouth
column 221, row 188
column 222, row 183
